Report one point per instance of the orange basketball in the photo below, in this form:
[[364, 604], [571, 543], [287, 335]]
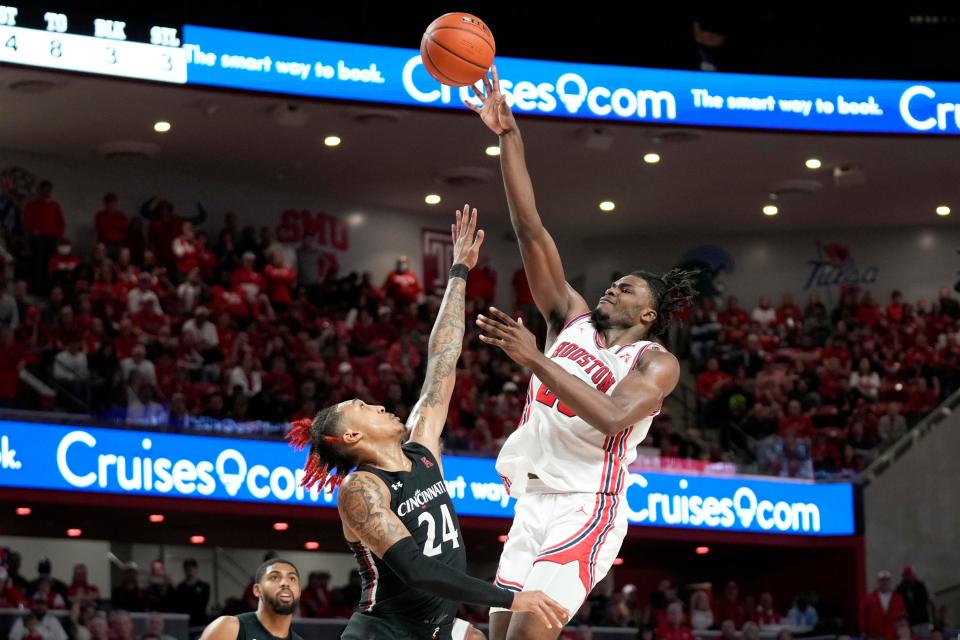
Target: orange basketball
[[457, 49]]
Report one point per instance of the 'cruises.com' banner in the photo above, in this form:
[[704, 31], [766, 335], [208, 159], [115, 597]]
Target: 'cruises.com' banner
[[63, 458], [376, 74]]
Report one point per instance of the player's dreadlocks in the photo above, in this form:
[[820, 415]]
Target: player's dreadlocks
[[327, 465], [672, 292]]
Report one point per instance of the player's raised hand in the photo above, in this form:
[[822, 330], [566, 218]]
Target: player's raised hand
[[543, 606], [495, 112], [466, 238], [510, 335]]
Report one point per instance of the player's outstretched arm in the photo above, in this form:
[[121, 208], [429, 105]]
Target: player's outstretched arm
[[639, 394], [364, 504], [556, 300], [446, 340]]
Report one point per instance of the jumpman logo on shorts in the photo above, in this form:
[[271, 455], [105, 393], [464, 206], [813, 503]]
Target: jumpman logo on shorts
[[581, 510]]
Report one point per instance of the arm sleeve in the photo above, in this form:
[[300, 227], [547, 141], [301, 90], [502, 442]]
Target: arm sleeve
[[416, 570]]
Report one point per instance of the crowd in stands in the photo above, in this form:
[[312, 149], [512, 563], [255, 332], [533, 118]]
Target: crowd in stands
[[889, 612], [167, 324], [808, 391]]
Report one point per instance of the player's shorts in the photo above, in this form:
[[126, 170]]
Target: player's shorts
[[562, 544], [366, 627]]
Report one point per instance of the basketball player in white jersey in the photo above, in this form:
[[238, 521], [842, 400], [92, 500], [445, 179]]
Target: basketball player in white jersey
[[592, 396]]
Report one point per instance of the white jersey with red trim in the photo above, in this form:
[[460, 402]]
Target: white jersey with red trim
[[560, 448]]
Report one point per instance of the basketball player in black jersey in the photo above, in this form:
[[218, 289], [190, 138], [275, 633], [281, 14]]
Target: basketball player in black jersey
[[397, 516], [277, 587]]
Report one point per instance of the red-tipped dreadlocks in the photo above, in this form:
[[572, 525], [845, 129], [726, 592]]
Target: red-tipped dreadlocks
[[323, 467]]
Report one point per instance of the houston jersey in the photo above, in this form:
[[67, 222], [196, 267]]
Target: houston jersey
[[553, 443]]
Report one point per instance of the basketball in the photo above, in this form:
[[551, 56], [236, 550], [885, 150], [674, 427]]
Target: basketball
[[457, 49]]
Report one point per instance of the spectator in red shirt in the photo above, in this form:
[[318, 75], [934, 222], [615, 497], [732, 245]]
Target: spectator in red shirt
[[165, 226], [402, 284], [766, 613], [80, 589], [788, 309], [63, 265], [280, 279], [881, 609], [111, 225], [44, 225], [482, 285], [186, 250], [403, 355], [728, 607], [733, 315], [675, 628], [246, 281], [712, 381], [797, 422], [896, 308], [867, 310], [315, 599], [922, 398]]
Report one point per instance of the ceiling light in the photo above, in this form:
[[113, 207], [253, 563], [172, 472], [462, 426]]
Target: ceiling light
[[156, 517], [814, 163], [162, 126], [280, 526], [770, 210], [24, 511], [652, 158], [197, 539], [332, 141], [493, 150], [943, 210], [607, 205], [313, 545], [702, 551], [74, 533], [432, 198]]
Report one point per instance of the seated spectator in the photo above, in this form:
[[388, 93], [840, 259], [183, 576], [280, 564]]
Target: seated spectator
[[701, 615], [796, 422], [865, 381], [750, 631], [802, 614], [788, 311], [11, 596], [62, 265], [246, 376], [711, 382], [44, 625], [728, 607], [120, 624], [895, 310], [70, 365], [246, 281], [143, 292], [80, 588], [190, 291], [315, 600], [155, 628], [137, 362], [733, 316], [766, 614], [922, 398], [764, 314], [674, 628]]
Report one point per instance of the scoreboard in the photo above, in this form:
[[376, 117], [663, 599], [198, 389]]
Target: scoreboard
[[96, 45]]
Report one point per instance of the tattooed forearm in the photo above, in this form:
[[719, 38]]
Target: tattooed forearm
[[446, 341], [365, 511]]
